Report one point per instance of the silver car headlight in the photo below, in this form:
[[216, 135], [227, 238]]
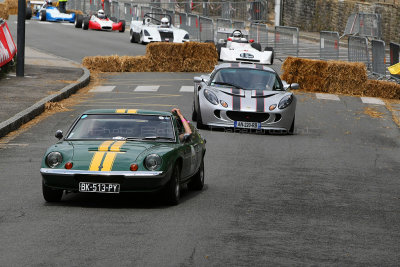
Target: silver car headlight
[[285, 101], [152, 162], [54, 159], [211, 97]]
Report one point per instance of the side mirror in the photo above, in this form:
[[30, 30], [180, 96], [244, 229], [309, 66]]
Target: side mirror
[[197, 79], [294, 86], [59, 134]]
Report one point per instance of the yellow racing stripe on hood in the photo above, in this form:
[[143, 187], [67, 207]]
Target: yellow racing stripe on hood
[[116, 147], [96, 161], [120, 110], [105, 145], [109, 161], [132, 111]]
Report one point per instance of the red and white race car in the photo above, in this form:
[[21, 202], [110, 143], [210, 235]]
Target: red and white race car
[[96, 23]]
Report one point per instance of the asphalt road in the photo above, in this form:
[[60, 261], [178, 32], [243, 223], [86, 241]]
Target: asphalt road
[[328, 195]]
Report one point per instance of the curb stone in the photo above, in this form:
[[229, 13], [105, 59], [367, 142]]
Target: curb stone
[[36, 109]]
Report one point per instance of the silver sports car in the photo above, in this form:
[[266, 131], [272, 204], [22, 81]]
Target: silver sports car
[[244, 95]]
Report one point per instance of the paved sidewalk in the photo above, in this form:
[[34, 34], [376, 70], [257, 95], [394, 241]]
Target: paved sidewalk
[[47, 78]]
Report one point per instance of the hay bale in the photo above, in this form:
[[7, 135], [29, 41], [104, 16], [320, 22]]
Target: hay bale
[[164, 50], [77, 12], [346, 77], [167, 65], [198, 65], [384, 89], [195, 50], [3, 11], [135, 64], [103, 63]]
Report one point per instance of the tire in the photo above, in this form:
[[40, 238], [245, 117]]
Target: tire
[[141, 39], [28, 14], [256, 46], [172, 189], [291, 130], [51, 195], [197, 181], [85, 24], [200, 124], [78, 21], [194, 113], [42, 15], [132, 38], [123, 26]]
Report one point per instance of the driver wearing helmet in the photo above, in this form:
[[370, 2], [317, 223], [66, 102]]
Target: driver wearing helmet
[[164, 23], [237, 35], [101, 14]]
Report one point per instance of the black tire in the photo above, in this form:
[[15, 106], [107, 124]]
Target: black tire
[[85, 24], [78, 21], [197, 181], [51, 195], [194, 113], [172, 189], [256, 46], [200, 124], [140, 37], [132, 38], [28, 14], [42, 15], [123, 26], [291, 130]]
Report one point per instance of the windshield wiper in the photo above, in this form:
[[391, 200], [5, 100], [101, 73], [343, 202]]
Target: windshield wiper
[[133, 138], [231, 84], [157, 137]]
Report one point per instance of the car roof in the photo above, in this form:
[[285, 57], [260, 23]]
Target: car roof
[[128, 111], [244, 65]]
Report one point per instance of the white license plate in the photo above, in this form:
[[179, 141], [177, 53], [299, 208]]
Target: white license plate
[[246, 124], [99, 187]]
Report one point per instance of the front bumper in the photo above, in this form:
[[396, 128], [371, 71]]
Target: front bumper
[[139, 181]]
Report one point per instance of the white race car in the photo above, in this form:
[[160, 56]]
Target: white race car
[[154, 29], [238, 49]]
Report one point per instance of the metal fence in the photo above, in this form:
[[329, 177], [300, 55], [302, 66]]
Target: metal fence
[[358, 50], [364, 24], [223, 26], [378, 58], [206, 29], [286, 41], [329, 45], [115, 10], [259, 33]]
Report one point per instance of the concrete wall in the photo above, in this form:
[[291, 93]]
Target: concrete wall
[[332, 15]]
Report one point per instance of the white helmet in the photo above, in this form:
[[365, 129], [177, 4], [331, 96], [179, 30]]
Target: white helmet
[[101, 14], [164, 22]]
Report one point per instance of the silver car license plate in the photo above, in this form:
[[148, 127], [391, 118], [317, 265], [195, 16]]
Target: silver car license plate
[[248, 125], [99, 187]]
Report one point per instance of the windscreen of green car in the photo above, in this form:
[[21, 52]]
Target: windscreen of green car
[[247, 79], [122, 126]]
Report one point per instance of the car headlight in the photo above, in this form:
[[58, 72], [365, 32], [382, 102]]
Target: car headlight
[[211, 97], [146, 33], [186, 36], [54, 159], [152, 162], [285, 101]]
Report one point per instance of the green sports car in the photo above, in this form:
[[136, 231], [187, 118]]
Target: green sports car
[[124, 150]]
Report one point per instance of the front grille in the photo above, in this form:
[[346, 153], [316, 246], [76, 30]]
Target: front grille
[[167, 35], [247, 116], [106, 28]]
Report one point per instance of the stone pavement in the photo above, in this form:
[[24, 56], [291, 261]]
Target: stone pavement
[[48, 78]]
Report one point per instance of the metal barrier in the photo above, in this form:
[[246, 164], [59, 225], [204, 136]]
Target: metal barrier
[[286, 40], [259, 33], [181, 20], [107, 8], [358, 50], [114, 9], [238, 25], [329, 45], [128, 12], [364, 24], [206, 29], [394, 57], [222, 26], [378, 58], [193, 27], [143, 11]]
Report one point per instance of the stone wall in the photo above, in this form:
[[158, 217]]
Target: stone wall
[[332, 15]]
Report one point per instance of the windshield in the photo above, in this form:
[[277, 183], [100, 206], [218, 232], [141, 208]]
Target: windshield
[[123, 126], [248, 79]]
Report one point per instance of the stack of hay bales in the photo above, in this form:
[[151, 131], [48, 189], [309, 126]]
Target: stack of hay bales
[[160, 57], [3, 11]]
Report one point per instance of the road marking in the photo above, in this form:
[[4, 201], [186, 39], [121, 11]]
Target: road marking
[[147, 88], [327, 96], [186, 88], [102, 89], [372, 100]]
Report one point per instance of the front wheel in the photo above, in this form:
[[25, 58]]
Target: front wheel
[[172, 191], [50, 194], [123, 26], [85, 24], [28, 14], [291, 130], [132, 37], [197, 181], [78, 21], [42, 15]]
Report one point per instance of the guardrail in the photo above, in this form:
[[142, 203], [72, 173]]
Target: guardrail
[[329, 45], [358, 50], [286, 41], [378, 58]]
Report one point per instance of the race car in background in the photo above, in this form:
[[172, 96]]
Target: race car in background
[[237, 48], [45, 11], [99, 22], [244, 95], [156, 27]]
